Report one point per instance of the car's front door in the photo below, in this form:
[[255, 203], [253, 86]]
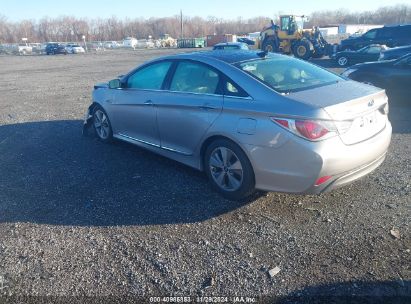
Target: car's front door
[[372, 53], [189, 107], [133, 112]]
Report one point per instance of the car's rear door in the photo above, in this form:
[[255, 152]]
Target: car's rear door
[[132, 110], [189, 107]]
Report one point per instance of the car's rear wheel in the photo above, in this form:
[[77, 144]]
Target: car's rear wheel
[[229, 170], [270, 45], [102, 125]]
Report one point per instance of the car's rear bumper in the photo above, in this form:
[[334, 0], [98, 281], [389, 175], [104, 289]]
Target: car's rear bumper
[[347, 177], [296, 166]]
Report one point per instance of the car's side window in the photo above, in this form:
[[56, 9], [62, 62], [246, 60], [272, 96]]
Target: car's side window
[[404, 32], [387, 33], [231, 89], [374, 50], [150, 77], [370, 34], [194, 78]]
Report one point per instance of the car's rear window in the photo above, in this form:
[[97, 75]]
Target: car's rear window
[[227, 47], [286, 74]]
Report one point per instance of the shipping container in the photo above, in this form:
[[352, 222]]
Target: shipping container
[[214, 39], [191, 43]]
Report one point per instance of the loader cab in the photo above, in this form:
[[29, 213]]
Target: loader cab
[[291, 24]]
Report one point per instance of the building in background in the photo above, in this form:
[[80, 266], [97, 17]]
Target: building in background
[[347, 29]]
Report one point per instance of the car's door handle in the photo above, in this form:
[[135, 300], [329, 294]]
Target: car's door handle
[[206, 107], [148, 102]]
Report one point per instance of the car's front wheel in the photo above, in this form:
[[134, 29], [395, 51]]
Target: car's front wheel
[[229, 170], [102, 125]]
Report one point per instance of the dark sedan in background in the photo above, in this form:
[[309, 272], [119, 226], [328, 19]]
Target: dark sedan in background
[[367, 53], [395, 53], [392, 75], [55, 48], [231, 46], [245, 40]]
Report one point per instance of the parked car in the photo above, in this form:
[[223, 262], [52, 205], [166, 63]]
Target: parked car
[[36, 47], [367, 53], [74, 49], [392, 75], [55, 48], [111, 44], [390, 36], [23, 49], [230, 46], [250, 120], [395, 53], [130, 42], [246, 40]]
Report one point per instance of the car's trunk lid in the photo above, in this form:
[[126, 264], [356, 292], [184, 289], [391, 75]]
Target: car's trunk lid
[[349, 101]]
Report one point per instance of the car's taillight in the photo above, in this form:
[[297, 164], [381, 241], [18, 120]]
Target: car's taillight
[[322, 180], [384, 109], [309, 129]]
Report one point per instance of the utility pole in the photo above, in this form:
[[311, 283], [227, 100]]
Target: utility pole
[[181, 24]]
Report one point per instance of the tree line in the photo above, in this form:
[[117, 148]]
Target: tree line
[[70, 28]]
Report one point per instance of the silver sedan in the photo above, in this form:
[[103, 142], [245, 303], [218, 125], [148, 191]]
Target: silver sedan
[[250, 120]]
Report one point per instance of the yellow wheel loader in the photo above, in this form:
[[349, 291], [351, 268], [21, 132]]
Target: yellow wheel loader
[[290, 38]]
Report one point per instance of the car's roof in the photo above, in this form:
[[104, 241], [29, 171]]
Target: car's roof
[[228, 57], [399, 48], [396, 25]]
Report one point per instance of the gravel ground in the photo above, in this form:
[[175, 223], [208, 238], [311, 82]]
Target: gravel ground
[[81, 218]]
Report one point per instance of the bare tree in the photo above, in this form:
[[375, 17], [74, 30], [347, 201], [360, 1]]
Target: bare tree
[[69, 28]]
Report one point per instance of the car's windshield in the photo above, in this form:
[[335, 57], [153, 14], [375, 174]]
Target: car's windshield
[[285, 74], [361, 50]]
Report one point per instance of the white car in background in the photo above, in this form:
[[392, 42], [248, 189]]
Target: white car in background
[[111, 44], [74, 49], [130, 42]]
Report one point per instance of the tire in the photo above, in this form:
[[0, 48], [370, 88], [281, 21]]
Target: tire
[[270, 45], [231, 175], [302, 50], [102, 124], [342, 61]]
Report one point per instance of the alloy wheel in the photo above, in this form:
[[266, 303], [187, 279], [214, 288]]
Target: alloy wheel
[[226, 169], [101, 124]]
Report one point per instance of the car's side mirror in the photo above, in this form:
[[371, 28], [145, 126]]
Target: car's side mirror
[[114, 84]]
